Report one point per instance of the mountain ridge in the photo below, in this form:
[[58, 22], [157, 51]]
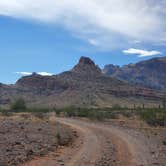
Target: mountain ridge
[[83, 86], [150, 73]]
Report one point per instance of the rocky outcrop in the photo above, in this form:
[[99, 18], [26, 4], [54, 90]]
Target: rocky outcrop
[[150, 73], [111, 69], [87, 67]]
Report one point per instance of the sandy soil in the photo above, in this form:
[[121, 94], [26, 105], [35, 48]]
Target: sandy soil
[[105, 144]]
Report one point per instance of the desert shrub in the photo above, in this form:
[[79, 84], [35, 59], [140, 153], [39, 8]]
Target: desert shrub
[[91, 113], [164, 104], [116, 107], [25, 116], [57, 111], [164, 142], [58, 137], [18, 105], [38, 110], [154, 117], [83, 112], [6, 113], [87, 113], [111, 115], [127, 113], [69, 111], [39, 115], [96, 114]]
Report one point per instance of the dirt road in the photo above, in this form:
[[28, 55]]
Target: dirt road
[[100, 144]]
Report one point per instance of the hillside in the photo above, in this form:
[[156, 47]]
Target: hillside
[[150, 73], [83, 86]]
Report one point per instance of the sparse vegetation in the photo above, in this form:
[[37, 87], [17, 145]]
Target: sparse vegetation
[[116, 106], [39, 115], [154, 117], [38, 110], [91, 113], [18, 105], [6, 113], [164, 103], [58, 136], [164, 142]]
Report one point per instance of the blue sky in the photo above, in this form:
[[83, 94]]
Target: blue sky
[[50, 36]]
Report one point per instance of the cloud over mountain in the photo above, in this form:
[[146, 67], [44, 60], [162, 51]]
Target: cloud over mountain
[[141, 53], [29, 73], [109, 21]]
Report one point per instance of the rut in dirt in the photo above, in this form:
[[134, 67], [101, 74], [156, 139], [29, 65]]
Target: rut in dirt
[[98, 145]]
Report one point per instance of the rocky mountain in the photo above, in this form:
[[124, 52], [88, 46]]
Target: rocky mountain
[[83, 86], [150, 73], [86, 67]]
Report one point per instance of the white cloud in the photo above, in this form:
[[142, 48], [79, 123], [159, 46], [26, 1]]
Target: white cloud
[[23, 73], [29, 73], [45, 73], [141, 53], [93, 42], [107, 20]]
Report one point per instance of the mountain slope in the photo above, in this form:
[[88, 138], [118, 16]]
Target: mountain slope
[[150, 73], [83, 86]]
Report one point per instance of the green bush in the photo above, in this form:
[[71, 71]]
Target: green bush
[[69, 111], [164, 142], [91, 113], [38, 110], [95, 114], [18, 105], [116, 107], [6, 113], [111, 115], [58, 136], [57, 111], [154, 117]]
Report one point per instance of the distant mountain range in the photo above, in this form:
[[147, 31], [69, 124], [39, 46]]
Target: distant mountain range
[[150, 73], [84, 86]]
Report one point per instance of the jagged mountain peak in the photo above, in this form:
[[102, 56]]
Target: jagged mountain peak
[[86, 66], [86, 61]]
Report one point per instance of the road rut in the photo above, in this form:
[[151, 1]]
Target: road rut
[[98, 144]]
